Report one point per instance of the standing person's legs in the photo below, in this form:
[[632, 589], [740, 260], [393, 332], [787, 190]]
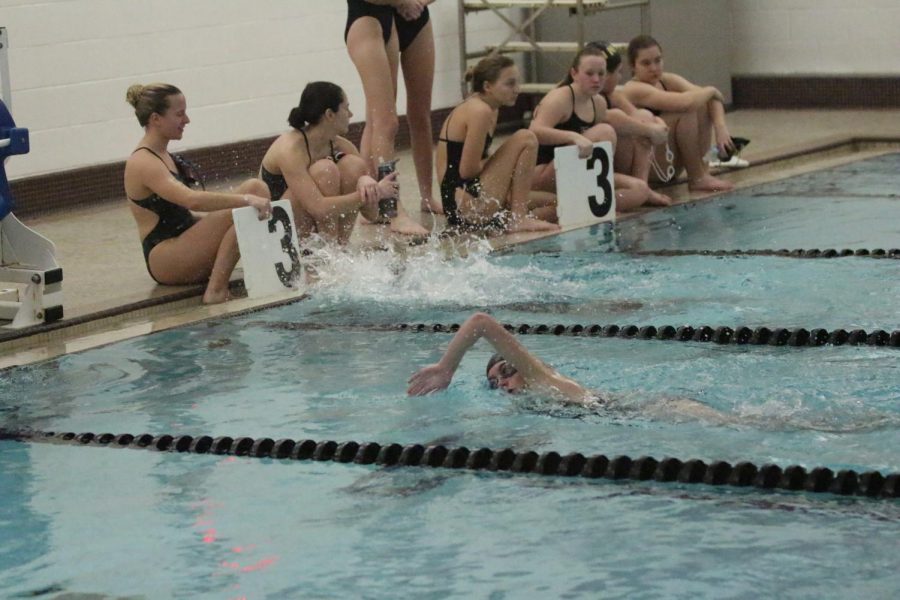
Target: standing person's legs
[[417, 61], [377, 64]]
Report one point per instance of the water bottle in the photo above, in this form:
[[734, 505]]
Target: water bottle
[[387, 207]]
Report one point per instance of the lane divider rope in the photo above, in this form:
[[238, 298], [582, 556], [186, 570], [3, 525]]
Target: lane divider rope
[[795, 253], [847, 482], [778, 336]]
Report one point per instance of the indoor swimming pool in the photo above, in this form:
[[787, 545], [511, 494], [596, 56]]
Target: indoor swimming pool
[[100, 523]]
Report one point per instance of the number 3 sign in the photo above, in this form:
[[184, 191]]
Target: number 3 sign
[[269, 252], [584, 186]]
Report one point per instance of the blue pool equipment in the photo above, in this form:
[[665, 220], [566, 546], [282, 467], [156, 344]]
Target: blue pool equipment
[[27, 259]]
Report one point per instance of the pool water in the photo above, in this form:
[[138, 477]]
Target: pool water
[[90, 522]]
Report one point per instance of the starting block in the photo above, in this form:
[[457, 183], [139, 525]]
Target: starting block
[[585, 190], [27, 259]]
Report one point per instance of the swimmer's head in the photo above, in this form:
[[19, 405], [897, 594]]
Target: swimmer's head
[[150, 99], [501, 374], [641, 42], [489, 71], [317, 99]]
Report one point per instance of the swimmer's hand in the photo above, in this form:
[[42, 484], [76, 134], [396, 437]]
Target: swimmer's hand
[[724, 143], [262, 205], [411, 10], [429, 379]]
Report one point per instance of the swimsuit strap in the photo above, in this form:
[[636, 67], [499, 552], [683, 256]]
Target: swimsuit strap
[[151, 151], [447, 128], [308, 153], [575, 114]]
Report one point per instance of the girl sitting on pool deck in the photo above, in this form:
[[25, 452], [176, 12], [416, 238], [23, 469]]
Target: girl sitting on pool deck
[[693, 113], [180, 248], [320, 171], [481, 190], [575, 113]]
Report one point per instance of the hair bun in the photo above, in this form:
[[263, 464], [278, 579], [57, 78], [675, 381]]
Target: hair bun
[[133, 94]]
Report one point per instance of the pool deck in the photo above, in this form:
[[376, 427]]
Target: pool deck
[[109, 296]]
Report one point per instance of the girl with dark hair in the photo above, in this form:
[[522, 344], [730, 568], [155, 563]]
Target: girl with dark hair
[[180, 248], [377, 32], [481, 190], [693, 114], [575, 113], [320, 171]]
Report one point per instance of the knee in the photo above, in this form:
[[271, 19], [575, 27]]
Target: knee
[[326, 175], [255, 187], [526, 138], [644, 116], [353, 166], [386, 123], [602, 132]]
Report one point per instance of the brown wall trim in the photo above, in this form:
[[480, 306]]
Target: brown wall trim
[[815, 92], [79, 188]]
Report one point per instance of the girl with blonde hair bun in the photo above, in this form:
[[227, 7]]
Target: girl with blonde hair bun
[[181, 248]]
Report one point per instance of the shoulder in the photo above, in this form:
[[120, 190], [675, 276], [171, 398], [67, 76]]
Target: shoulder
[[345, 145]]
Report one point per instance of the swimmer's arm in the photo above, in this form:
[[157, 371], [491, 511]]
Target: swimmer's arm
[[553, 110], [478, 125], [150, 172]]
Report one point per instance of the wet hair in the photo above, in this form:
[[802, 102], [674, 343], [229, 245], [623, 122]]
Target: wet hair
[[149, 99], [641, 42], [487, 70], [317, 97], [491, 362], [590, 49]]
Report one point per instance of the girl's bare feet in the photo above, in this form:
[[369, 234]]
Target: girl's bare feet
[[531, 224], [708, 183], [432, 206], [404, 225], [216, 296], [657, 199]]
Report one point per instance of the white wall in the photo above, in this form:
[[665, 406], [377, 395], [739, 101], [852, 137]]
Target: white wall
[[816, 37], [241, 63]]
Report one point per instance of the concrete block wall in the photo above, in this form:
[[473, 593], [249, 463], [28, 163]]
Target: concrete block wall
[[241, 63], [815, 37]]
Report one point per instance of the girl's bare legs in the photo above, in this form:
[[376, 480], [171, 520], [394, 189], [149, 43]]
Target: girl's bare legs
[[328, 179], [417, 62], [506, 183], [208, 250], [692, 137], [377, 65], [543, 205]]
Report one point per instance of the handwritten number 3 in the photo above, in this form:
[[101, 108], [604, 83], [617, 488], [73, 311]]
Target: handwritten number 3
[[279, 215], [600, 209]]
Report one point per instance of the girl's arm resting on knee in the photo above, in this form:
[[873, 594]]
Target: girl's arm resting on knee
[[629, 126], [552, 111], [304, 190], [643, 94], [156, 177]]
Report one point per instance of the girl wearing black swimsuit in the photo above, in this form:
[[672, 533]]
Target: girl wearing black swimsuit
[[694, 115], [575, 113], [180, 249], [478, 190], [320, 171]]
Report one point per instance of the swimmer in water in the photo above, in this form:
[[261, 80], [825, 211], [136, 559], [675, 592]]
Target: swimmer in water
[[514, 369]]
